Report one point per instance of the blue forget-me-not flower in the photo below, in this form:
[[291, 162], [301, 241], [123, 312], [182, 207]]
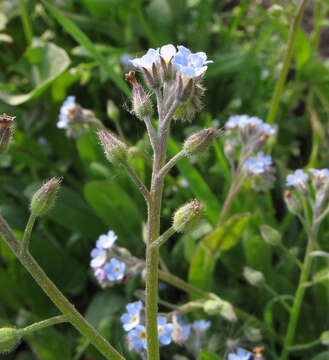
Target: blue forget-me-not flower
[[132, 317], [258, 164], [164, 330], [297, 179], [66, 108], [137, 338], [98, 257], [105, 241], [115, 270], [201, 325], [241, 354]]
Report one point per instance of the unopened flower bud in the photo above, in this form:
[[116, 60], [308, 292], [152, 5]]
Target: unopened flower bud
[[270, 235], [9, 339], [254, 277], [6, 130], [112, 110], [152, 76], [324, 338], [187, 216], [141, 103], [199, 142], [224, 308], [44, 198], [293, 204], [275, 10], [115, 150]]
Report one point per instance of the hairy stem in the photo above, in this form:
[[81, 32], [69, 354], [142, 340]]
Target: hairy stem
[[27, 234], [138, 182], [163, 238], [63, 304], [44, 323], [286, 63], [295, 311]]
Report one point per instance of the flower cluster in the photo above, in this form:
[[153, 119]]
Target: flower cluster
[[111, 264], [170, 328], [241, 354], [244, 122], [299, 181], [258, 164], [76, 120], [178, 72]]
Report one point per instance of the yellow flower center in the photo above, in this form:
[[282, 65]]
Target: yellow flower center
[[143, 335]]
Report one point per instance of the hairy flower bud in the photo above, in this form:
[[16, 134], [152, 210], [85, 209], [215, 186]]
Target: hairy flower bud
[[254, 277], [219, 306], [6, 130], [115, 150], [199, 142], [44, 198], [293, 204], [9, 339], [141, 103], [270, 235], [187, 216]]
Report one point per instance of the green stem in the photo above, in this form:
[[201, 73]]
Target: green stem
[[27, 234], [286, 63], [294, 315], [138, 182], [278, 296], [42, 324], [26, 22], [292, 257], [73, 316], [163, 238], [305, 346]]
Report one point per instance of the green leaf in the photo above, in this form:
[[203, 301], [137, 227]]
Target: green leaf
[[83, 40], [46, 62], [117, 209], [72, 212], [222, 238], [205, 355], [302, 49], [197, 184], [48, 343]]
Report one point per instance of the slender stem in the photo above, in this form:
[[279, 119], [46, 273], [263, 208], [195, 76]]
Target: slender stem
[[138, 182], [234, 189], [305, 346], [286, 63], [152, 134], [171, 163], [292, 257], [73, 316], [294, 315], [44, 323], [26, 22], [27, 234], [278, 296], [163, 238]]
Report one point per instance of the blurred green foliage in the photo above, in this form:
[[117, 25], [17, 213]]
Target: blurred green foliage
[[74, 47]]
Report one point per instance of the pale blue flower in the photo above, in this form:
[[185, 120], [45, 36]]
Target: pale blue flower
[[299, 178], [241, 354], [100, 274], [151, 57], [164, 330], [201, 325], [106, 241], [186, 329], [98, 257], [131, 318], [189, 64], [259, 164], [67, 106], [137, 338], [321, 174], [167, 52], [115, 269], [242, 121]]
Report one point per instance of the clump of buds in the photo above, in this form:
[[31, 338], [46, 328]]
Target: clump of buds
[[198, 143], [142, 105], [187, 216], [9, 339], [6, 130], [115, 150], [44, 198]]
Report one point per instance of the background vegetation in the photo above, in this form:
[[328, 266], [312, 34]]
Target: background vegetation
[[76, 49]]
